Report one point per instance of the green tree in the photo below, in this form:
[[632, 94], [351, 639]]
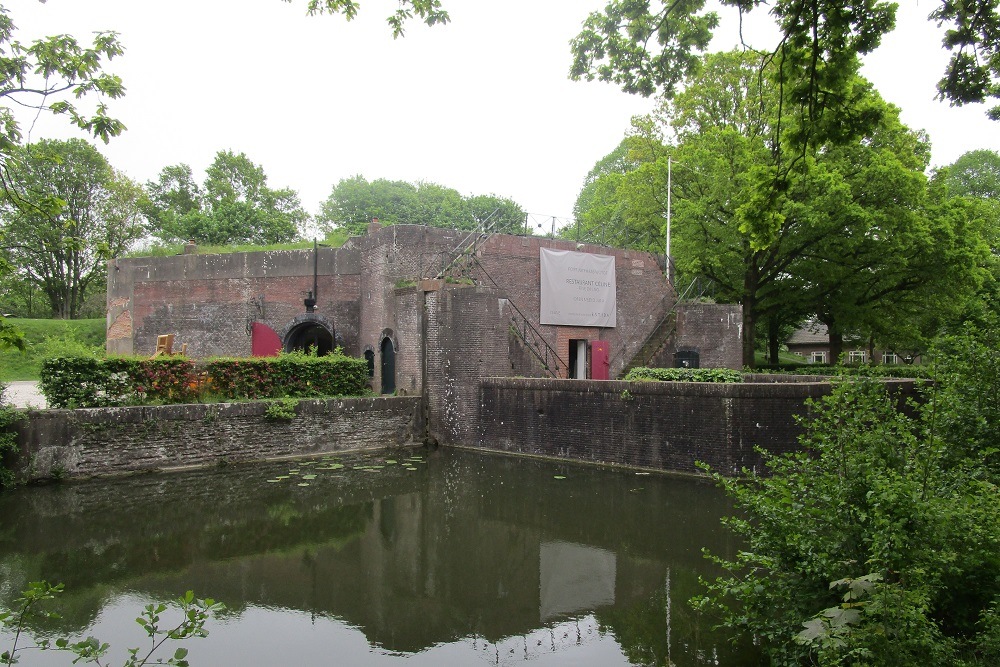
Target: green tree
[[879, 542], [234, 205], [502, 215], [975, 178], [975, 174], [429, 11], [647, 46], [52, 74], [70, 214], [846, 231], [354, 202]]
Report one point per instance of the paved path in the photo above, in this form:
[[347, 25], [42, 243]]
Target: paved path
[[24, 394]]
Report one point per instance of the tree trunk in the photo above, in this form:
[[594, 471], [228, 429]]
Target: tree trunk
[[773, 339], [836, 345]]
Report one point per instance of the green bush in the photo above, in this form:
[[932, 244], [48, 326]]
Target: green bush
[[879, 542], [48, 338], [90, 382], [295, 375], [684, 375], [9, 417], [864, 370]]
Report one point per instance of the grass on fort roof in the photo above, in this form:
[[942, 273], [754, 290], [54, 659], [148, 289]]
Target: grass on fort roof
[[334, 239], [47, 338]]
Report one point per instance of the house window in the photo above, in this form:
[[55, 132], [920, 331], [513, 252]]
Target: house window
[[817, 357], [856, 357], [890, 358]]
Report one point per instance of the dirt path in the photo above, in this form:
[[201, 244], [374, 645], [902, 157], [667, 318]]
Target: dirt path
[[23, 394]]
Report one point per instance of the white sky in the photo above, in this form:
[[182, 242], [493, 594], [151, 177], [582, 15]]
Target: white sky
[[482, 105]]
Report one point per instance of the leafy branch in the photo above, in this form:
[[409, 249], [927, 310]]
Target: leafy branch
[[195, 613]]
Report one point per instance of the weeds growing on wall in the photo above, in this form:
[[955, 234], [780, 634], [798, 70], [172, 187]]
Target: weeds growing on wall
[[281, 409]]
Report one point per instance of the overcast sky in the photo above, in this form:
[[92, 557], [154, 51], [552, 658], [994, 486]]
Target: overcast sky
[[482, 105]]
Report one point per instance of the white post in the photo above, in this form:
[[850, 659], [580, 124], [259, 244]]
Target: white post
[[669, 161]]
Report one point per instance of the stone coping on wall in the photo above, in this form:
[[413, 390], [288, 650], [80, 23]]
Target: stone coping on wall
[[806, 387]]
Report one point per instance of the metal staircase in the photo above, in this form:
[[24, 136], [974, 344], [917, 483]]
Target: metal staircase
[[459, 265], [665, 328]]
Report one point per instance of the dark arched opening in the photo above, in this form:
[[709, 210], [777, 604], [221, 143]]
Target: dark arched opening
[[388, 366], [309, 336], [370, 360]]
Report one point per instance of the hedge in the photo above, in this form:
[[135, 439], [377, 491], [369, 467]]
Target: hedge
[[292, 375], [867, 370], [88, 382], [684, 375]]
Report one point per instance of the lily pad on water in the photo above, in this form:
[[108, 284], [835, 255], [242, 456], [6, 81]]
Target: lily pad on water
[[303, 484], [391, 462], [410, 468], [558, 476], [272, 481], [281, 477], [308, 476]]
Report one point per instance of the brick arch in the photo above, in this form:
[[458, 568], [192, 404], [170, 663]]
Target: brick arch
[[305, 322]]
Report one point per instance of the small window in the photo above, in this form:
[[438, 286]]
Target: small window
[[856, 356], [817, 357], [890, 358]]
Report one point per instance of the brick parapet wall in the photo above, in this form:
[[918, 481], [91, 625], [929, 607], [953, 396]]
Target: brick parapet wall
[[714, 331], [104, 441], [205, 299], [658, 425]]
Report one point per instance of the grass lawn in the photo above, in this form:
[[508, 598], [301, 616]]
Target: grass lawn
[[48, 338], [783, 358]]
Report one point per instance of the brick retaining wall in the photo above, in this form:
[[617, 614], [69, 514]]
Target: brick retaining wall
[[659, 425]]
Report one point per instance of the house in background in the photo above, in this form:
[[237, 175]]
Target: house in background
[[812, 341]]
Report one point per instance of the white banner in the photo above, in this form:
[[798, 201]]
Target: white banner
[[578, 288]]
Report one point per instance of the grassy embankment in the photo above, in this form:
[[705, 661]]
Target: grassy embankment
[[48, 338]]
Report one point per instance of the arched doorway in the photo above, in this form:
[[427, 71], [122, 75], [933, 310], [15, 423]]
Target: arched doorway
[[308, 333], [388, 366]]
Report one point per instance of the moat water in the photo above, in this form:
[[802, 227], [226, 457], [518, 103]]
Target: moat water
[[444, 558]]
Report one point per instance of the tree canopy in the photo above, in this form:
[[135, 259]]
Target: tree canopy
[[647, 46], [354, 202], [429, 11], [850, 232], [233, 206], [54, 74], [71, 214]]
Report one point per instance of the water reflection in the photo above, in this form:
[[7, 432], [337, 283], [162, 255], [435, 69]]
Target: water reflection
[[436, 559]]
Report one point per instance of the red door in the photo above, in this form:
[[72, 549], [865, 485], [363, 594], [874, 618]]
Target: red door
[[264, 342], [600, 360]]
